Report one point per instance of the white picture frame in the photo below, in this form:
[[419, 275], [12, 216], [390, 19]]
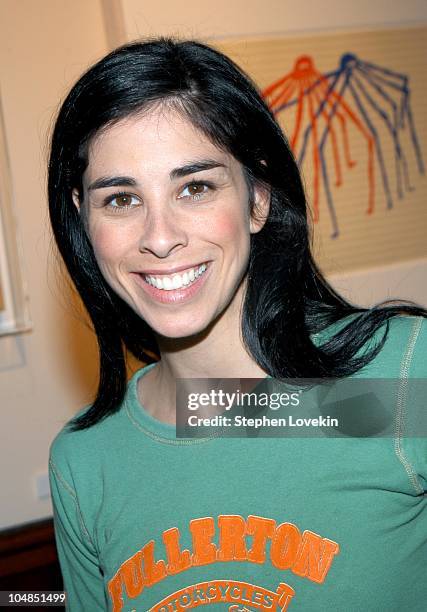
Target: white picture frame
[[14, 306]]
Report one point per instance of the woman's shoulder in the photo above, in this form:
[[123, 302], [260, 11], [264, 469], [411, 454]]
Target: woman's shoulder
[[71, 447], [86, 445], [404, 350]]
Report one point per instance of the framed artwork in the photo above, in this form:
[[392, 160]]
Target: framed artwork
[[14, 313]]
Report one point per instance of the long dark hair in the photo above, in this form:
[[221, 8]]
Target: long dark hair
[[287, 298]]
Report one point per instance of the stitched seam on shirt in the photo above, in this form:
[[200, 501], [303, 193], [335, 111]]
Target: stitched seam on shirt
[[163, 440], [401, 406], [73, 494]]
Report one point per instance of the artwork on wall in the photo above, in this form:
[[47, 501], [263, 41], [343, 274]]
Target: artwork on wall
[[353, 108], [14, 315], [360, 93]]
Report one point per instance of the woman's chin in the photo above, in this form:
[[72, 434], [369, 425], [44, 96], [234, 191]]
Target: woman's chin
[[190, 331]]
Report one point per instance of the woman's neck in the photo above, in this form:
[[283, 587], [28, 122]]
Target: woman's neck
[[218, 352]]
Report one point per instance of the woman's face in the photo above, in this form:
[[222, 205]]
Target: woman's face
[[168, 216]]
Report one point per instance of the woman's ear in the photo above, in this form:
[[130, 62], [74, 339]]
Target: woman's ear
[[76, 198], [260, 208]]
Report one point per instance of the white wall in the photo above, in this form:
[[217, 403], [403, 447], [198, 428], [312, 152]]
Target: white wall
[[46, 374], [405, 280], [260, 17]]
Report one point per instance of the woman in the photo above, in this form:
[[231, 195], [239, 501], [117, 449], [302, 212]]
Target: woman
[[180, 214]]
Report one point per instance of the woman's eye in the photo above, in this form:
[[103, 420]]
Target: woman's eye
[[122, 200], [194, 191]]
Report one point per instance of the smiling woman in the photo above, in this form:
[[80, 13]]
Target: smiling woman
[[180, 214]]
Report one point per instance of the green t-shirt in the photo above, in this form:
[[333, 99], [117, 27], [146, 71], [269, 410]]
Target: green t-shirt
[[145, 521]]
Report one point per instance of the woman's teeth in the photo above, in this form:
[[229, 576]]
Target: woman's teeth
[[169, 283]]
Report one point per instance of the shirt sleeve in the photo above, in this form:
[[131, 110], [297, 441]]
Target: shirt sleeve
[[83, 581]]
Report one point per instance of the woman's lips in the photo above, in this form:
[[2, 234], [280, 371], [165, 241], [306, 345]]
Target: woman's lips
[[169, 281], [174, 296]]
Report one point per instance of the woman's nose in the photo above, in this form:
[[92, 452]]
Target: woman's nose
[[162, 233]]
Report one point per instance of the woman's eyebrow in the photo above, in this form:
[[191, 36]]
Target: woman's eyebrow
[[112, 181], [197, 166], [127, 181]]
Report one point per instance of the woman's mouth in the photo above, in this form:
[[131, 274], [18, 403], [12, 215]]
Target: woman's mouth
[[176, 287], [167, 282]]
